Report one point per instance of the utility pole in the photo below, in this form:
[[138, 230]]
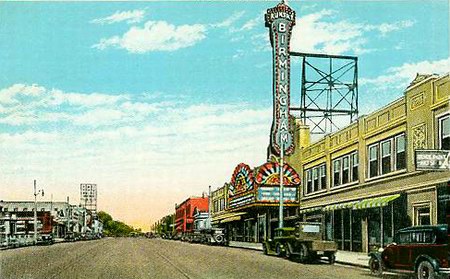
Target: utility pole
[[68, 216], [208, 225], [35, 209]]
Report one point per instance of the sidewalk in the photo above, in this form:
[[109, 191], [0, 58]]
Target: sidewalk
[[352, 258], [342, 257]]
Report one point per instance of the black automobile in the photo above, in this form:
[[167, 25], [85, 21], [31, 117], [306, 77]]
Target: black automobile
[[46, 239]]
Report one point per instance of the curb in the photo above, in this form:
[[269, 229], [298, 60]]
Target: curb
[[353, 264], [337, 261]]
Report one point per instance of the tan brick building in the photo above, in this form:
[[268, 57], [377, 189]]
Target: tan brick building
[[361, 181]]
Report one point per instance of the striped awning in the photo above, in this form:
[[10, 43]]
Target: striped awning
[[311, 209], [340, 206], [375, 202]]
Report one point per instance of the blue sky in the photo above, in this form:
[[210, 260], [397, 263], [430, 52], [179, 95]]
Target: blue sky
[[154, 101]]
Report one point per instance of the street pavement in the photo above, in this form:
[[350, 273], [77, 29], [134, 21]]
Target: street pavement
[[157, 258]]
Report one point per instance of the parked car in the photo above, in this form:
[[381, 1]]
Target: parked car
[[45, 239], [304, 241], [420, 250]]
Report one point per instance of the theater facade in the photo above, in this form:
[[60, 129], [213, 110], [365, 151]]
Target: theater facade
[[252, 201]]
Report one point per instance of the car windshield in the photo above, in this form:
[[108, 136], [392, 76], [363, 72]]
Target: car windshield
[[310, 228]]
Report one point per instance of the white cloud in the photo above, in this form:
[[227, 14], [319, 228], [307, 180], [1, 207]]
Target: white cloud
[[9, 95], [398, 78], [128, 16], [156, 36], [315, 32], [386, 28], [230, 20]]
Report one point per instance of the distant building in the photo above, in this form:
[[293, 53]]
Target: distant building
[[59, 211], [64, 218], [184, 213]]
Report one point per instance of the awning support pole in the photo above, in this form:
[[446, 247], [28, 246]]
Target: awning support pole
[[382, 227]]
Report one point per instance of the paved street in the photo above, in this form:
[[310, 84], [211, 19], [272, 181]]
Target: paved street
[[156, 258]]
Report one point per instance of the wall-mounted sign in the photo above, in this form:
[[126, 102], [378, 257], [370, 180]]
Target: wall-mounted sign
[[280, 21], [437, 160], [269, 174]]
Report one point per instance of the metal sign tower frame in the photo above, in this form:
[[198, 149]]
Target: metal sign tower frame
[[327, 94]]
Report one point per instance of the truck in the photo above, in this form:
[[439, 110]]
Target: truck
[[303, 242]]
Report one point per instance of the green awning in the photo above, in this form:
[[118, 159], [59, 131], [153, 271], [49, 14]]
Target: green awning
[[375, 202], [311, 209], [340, 206]]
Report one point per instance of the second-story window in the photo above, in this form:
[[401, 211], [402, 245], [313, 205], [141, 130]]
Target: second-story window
[[400, 155], [323, 177], [316, 179], [345, 169], [355, 164], [336, 172], [444, 133], [386, 157], [373, 160]]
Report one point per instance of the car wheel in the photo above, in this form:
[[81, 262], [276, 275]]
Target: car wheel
[[375, 266], [303, 253], [288, 251], [265, 249], [279, 250], [426, 271], [218, 238], [332, 258]]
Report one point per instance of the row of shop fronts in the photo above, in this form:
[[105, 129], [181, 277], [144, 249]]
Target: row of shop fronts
[[361, 182]]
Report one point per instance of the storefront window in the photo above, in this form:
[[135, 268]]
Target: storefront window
[[444, 130], [374, 228], [337, 225], [328, 226], [387, 225]]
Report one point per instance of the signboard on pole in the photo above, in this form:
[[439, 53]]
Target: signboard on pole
[[432, 160], [280, 20]]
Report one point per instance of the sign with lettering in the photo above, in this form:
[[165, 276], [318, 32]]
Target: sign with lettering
[[280, 21], [437, 160]]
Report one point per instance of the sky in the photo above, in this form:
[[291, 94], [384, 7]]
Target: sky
[[155, 101]]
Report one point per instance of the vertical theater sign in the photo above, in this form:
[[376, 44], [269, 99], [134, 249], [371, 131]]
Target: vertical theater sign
[[280, 21]]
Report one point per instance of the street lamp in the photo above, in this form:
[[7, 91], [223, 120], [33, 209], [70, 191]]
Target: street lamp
[[35, 210]]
